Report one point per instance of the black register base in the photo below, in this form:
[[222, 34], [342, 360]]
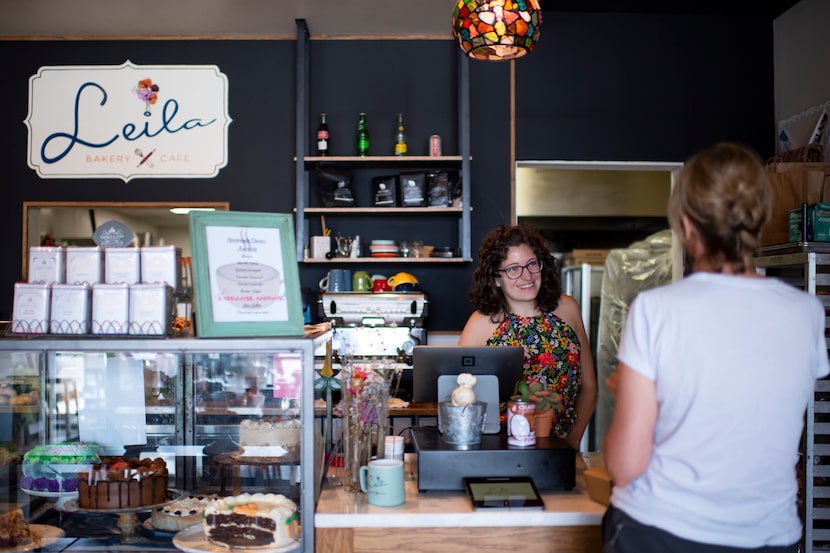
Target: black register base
[[441, 466]]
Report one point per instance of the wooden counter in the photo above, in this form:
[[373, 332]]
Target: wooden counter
[[445, 521], [413, 410]]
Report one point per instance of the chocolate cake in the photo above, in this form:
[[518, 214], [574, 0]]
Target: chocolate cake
[[252, 521], [123, 484]]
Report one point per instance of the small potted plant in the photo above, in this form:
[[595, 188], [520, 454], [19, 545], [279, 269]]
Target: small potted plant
[[545, 401]]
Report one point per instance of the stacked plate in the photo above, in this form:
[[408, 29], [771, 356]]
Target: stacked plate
[[383, 248]]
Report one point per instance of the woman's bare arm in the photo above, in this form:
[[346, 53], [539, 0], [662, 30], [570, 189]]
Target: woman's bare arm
[[629, 441]]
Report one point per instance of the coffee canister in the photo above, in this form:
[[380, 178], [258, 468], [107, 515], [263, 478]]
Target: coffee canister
[[521, 427]]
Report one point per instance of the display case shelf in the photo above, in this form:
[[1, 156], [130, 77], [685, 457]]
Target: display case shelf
[[195, 393]]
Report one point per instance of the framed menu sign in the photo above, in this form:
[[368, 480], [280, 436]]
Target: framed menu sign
[[245, 274]]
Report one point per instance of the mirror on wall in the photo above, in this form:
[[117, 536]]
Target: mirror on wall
[[72, 223]]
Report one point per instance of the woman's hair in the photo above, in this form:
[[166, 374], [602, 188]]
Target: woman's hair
[[725, 193], [489, 298]]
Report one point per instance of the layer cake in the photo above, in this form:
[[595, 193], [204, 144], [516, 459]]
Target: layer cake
[[123, 484], [252, 521]]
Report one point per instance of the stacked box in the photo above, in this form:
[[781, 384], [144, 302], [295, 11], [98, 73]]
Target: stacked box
[[161, 264], [818, 227], [71, 309], [110, 308], [821, 222], [122, 266], [31, 308], [151, 309], [47, 265], [84, 265]]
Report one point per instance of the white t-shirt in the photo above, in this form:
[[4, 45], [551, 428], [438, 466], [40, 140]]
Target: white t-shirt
[[735, 362]]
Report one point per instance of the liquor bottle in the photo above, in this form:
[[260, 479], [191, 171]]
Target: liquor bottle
[[323, 137], [400, 138], [362, 136]]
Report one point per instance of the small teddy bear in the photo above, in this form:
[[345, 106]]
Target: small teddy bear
[[464, 395]]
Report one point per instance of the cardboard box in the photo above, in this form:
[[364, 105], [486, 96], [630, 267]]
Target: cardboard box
[[599, 484], [591, 257], [795, 226], [821, 222], [818, 225], [792, 185]]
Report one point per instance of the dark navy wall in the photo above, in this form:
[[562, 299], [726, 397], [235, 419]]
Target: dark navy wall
[[598, 87]]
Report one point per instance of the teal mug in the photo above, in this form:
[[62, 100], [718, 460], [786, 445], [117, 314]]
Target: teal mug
[[382, 480]]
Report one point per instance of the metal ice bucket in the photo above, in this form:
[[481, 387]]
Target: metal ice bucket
[[462, 425]]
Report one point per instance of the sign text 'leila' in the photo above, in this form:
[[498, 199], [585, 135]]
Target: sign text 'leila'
[[128, 121]]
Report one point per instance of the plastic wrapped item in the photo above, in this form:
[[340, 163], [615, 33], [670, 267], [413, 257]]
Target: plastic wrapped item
[[334, 184], [643, 265]]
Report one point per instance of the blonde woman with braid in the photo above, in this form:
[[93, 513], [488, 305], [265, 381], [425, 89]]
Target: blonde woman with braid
[[715, 373]]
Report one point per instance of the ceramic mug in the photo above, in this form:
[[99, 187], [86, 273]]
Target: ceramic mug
[[337, 280], [361, 282], [380, 285], [402, 278], [383, 481]]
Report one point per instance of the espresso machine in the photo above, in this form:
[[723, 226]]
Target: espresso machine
[[376, 330]]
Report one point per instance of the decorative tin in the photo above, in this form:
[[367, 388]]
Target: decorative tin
[[161, 264], [31, 308], [122, 266], [46, 265], [71, 309], [151, 309], [84, 265], [110, 308], [521, 425]]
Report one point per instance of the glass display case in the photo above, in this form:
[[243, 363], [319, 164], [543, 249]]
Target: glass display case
[[180, 399]]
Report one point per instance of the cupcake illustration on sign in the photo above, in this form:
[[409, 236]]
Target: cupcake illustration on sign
[[147, 92], [249, 285]]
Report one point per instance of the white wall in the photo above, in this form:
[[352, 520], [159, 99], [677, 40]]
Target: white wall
[[802, 67]]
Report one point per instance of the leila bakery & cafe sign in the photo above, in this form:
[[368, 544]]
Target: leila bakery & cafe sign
[[128, 121]]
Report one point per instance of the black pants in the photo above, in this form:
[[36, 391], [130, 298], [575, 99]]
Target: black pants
[[623, 534]]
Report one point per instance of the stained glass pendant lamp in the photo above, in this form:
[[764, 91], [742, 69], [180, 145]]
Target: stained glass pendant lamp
[[497, 29]]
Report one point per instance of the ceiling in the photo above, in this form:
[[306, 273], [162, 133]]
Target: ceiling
[[325, 18]]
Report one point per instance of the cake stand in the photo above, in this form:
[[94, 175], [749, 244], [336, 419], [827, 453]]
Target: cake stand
[[127, 517], [60, 498], [235, 460]]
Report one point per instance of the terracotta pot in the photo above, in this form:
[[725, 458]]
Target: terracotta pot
[[544, 422]]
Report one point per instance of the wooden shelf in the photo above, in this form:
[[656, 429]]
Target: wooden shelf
[[367, 166], [375, 160], [386, 210], [387, 260]]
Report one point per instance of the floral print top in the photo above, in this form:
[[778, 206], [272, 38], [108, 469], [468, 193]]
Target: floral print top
[[552, 354]]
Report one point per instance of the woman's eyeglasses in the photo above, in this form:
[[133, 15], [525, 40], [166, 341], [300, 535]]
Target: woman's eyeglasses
[[516, 271]]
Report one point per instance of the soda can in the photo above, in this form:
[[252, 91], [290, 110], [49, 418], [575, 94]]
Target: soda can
[[434, 145], [521, 427]]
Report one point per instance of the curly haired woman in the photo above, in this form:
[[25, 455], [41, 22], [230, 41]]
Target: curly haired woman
[[518, 298]]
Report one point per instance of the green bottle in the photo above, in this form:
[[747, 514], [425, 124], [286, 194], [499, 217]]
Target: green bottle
[[362, 136]]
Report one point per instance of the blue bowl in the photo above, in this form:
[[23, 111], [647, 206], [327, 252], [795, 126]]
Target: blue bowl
[[407, 287]]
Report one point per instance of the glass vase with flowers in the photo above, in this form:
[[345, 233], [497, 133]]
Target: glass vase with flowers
[[365, 415]]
